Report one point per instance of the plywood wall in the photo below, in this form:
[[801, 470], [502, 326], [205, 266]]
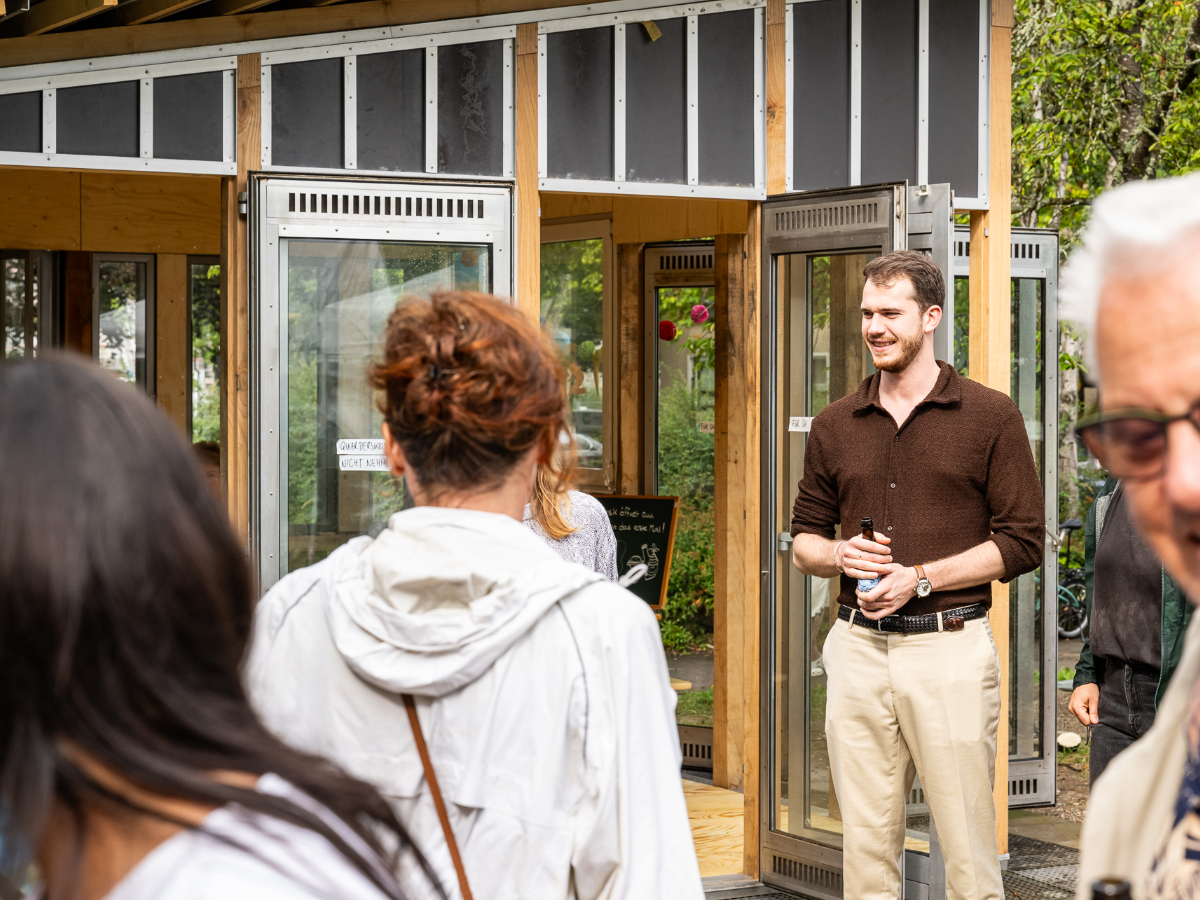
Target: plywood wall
[[109, 212], [640, 220]]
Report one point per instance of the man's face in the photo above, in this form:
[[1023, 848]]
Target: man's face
[[892, 324], [1148, 343]]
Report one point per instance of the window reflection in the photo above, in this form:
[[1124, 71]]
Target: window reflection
[[121, 320]]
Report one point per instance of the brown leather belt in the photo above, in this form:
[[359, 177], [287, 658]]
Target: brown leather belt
[[950, 620]]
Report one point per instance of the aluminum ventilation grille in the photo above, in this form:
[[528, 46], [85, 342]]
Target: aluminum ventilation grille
[[1026, 251], [686, 261], [344, 206], [1023, 787], [828, 217], [962, 249], [808, 876]]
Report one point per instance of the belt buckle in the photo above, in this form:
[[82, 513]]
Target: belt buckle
[[955, 622]]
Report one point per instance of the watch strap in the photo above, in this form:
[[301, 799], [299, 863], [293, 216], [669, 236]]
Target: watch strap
[[922, 577]]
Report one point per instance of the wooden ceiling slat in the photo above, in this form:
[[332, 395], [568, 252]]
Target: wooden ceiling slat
[[217, 30], [139, 12], [49, 15]]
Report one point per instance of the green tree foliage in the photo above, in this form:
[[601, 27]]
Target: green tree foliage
[[1104, 91], [206, 347]]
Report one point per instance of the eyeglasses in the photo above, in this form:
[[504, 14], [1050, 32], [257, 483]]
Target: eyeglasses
[[1132, 443]]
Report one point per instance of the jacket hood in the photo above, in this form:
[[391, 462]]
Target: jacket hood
[[432, 602]]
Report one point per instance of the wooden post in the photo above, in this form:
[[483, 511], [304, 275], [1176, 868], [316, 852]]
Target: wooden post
[[77, 288], [776, 96], [235, 298], [750, 363], [172, 343], [527, 288], [630, 306], [990, 324]]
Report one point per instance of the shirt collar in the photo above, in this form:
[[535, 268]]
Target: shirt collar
[[946, 390]]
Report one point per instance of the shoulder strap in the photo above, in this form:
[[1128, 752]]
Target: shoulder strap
[[440, 804]]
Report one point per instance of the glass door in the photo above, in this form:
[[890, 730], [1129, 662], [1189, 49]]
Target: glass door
[[123, 316], [815, 246], [336, 259]]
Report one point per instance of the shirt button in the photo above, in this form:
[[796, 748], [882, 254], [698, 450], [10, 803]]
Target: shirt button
[[896, 439], [893, 484], [889, 528]]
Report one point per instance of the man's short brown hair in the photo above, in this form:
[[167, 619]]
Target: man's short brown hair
[[929, 287]]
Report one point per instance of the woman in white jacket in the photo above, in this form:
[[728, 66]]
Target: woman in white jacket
[[541, 688]]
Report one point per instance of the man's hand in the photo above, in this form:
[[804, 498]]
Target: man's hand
[[1085, 703], [860, 558], [895, 589]]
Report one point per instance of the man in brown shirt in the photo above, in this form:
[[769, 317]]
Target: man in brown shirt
[[943, 467]]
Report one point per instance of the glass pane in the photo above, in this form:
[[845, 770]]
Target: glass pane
[[962, 318], [822, 358], [685, 440], [122, 344], [13, 272], [204, 292], [572, 312], [340, 294], [1025, 604]]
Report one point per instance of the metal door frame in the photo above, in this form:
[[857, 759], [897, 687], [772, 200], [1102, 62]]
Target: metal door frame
[[1034, 254], [920, 218], [274, 217]]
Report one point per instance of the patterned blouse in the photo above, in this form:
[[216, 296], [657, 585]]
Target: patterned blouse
[[592, 543]]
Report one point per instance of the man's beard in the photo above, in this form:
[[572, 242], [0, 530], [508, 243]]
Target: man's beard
[[909, 348]]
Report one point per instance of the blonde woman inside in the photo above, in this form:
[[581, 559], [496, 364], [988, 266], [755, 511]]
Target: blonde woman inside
[[574, 524]]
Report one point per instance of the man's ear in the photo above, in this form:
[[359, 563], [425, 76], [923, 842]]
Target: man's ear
[[933, 316]]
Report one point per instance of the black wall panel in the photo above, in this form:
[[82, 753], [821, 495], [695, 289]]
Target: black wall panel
[[889, 91], [98, 119], [188, 113], [21, 122], [820, 114], [307, 101], [954, 95], [579, 104], [725, 49], [471, 108], [391, 111], [656, 102]]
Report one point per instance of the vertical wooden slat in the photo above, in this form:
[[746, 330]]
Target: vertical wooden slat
[[172, 346], [776, 52], [527, 290], [751, 581], [990, 338], [77, 289], [630, 308], [235, 298]]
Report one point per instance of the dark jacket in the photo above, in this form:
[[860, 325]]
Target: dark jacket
[[1176, 610]]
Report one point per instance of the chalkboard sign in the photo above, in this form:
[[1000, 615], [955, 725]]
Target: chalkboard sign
[[645, 530]]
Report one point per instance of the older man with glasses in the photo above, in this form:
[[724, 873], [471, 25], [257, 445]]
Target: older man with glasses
[[1135, 283]]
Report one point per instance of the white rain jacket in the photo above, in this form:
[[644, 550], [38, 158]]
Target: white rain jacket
[[542, 691]]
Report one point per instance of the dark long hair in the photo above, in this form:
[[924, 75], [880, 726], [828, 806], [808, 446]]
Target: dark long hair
[[126, 604]]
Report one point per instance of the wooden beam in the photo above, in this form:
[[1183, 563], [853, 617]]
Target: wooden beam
[[144, 212], [49, 15], [201, 32], [776, 96], [630, 307], [41, 209], [235, 299], [139, 12], [232, 7], [527, 288], [172, 344], [749, 362], [990, 337]]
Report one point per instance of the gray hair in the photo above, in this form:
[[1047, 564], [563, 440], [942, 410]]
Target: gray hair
[[1133, 227]]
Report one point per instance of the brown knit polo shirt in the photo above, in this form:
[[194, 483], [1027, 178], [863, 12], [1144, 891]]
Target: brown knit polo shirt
[[958, 472]]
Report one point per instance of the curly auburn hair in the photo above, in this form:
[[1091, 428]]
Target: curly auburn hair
[[469, 387]]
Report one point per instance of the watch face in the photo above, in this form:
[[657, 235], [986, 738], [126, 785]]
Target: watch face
[[924, 588]]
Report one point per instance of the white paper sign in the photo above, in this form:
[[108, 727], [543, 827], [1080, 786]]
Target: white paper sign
[[707, 427], [363, 463], [360, 446], [800, 423]]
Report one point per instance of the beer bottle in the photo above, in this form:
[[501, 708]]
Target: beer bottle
[[868, 531], [1110, 889]]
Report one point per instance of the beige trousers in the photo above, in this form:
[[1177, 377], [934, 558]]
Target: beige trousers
[[927, 704]]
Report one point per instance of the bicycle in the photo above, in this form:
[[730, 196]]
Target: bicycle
[[1072, 605]]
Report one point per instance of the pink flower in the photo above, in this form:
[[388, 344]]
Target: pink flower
[[666, 330], [699, 313]]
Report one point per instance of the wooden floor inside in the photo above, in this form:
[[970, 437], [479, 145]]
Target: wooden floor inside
[[716, 817]]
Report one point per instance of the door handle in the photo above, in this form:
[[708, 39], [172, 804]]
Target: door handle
[[785, 542]]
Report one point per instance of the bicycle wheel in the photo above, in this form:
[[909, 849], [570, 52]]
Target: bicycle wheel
[[1072, 612]]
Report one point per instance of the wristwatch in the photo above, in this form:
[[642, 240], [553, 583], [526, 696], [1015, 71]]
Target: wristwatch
[[924, 588]]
